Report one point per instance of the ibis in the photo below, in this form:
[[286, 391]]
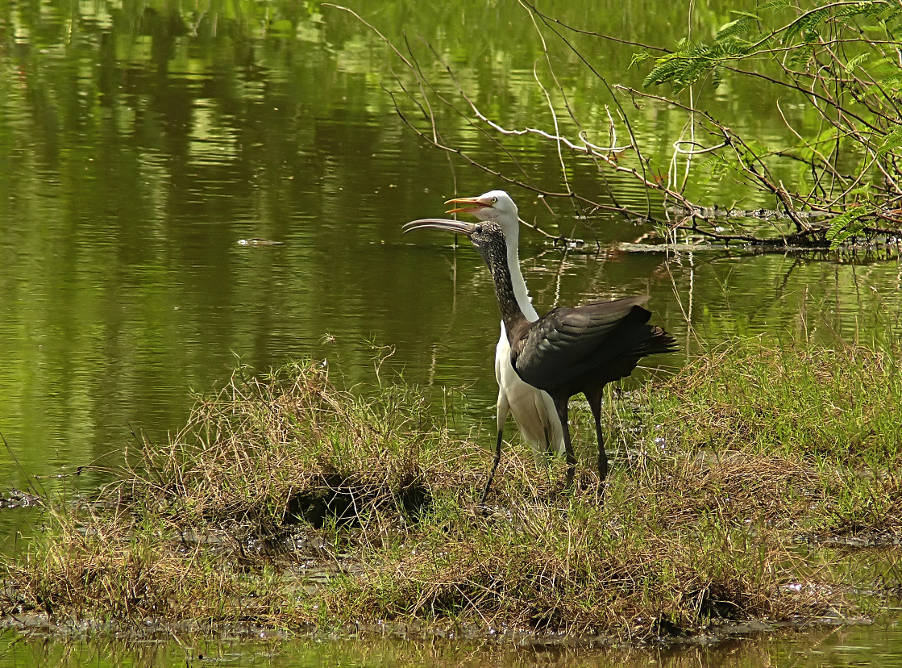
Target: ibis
[[569, 350]]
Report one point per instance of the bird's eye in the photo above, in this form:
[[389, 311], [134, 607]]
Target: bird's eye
[[494, 199]]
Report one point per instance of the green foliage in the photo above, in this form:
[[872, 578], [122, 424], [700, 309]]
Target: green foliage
[[740, 28], [847, 225], [891, 142], [639, 57], [776, 4], [690, 62], [851, 85], [741, 36], [855, 61], [807, 25], [687, 65]]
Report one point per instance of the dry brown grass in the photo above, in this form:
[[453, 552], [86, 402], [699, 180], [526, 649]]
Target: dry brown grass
[[290, 504]]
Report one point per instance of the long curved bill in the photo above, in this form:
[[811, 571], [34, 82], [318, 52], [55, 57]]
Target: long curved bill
[[456, 226], [470, 204]]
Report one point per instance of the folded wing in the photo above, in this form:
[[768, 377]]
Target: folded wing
[[570, 345]]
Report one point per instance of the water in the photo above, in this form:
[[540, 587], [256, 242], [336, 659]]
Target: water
[[140, 143], [876, 645]]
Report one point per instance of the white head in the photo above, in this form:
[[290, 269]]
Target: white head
[[495, 205]]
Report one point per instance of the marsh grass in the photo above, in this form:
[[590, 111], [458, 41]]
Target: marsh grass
[[288, 503]]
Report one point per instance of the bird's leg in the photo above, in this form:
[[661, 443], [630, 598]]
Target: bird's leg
[[594, 399], [502, 407], [488, 482], [561, 406]]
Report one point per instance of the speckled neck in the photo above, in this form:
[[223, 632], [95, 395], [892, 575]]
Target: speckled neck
[[521, 293], [494, 251]]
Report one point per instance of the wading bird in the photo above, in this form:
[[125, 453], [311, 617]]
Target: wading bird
[[568, 350], [533, 409]]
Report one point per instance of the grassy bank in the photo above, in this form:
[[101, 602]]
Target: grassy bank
[[290, 504]]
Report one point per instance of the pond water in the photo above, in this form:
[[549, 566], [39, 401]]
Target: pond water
[[876, 645], [141, 142]]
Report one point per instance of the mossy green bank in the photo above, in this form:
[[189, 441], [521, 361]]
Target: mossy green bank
[[291, 504]]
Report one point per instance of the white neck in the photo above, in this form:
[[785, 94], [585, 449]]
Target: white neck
[[521, 293]]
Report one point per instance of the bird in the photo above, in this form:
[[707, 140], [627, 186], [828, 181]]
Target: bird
[[533, 409], [569, 350]]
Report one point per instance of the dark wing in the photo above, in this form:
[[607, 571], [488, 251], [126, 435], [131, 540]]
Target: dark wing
[[602, 341]]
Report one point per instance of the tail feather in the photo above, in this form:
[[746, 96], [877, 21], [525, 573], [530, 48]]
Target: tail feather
[[658, 341]]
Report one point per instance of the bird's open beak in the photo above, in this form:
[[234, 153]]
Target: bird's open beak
[[471, 204], [456, 226]]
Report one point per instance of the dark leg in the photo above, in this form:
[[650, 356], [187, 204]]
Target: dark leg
[[548, 451], [488, 483], [594, 399], [561, 406]]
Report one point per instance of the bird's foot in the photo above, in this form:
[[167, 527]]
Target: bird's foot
[[600, 492], [483, 509], [587, 481], [590, 483]]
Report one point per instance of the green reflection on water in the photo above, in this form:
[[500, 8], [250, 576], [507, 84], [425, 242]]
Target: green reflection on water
[[879, 644], [140, 141]]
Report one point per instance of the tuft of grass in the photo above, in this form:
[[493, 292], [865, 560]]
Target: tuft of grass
[[288, 503], [789, 399], [804, 436]]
